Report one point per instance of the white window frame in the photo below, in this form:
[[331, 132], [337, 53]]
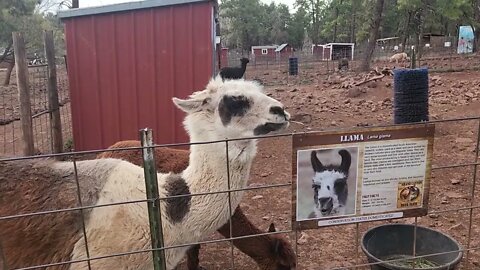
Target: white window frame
[[264, 51]]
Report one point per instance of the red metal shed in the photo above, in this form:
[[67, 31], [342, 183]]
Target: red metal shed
[[263, 52], [224, 58], [126, 62]]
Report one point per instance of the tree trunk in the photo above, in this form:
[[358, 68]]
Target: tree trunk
[[421, 29], [353, 37], [446, 25], [8, 75], [365, 65], [337, 11], [7, 52], [315, 21], [405, 32], [476, 41], [476, 14], [335, 29]]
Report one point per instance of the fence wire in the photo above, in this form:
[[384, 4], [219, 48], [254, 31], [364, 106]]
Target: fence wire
[[274, 71], [356, 261], [10, 125]]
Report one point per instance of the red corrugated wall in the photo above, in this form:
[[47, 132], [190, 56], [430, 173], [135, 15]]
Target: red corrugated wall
[[125, 67]]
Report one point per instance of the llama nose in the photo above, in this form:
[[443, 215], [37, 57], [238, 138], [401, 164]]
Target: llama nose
[[324, 201], [278, 111], [326, 205]]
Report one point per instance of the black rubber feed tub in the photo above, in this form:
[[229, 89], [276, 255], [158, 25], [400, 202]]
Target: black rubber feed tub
[[394, 241]]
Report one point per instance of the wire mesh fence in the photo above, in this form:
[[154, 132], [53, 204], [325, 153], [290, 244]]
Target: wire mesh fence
[[10, 142], [334, 247], [275, 69]]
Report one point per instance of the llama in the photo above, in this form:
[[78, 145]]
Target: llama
[[235, 72], [230, 109], [330, 185], [271, 252]]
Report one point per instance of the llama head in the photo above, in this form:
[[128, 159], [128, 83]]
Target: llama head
[[330, 184], [244, 60], [231, 109]]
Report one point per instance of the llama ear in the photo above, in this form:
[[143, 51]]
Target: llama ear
[[191, 105], [346, 160], [218, 78], [271, 228], [316, 164]]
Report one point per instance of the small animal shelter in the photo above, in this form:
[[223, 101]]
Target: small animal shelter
[[333, 51], [126, 62], [321, 51], [340, 50]]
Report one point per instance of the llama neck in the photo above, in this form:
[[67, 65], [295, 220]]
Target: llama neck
[[244, 66], [207, 170], [208, 165]]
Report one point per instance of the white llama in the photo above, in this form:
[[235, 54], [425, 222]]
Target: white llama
[[230, 109]]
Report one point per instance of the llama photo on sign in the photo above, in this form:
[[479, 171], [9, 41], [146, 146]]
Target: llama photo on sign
[[326, 182]]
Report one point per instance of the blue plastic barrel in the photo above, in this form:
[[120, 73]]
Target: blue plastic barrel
[[293, 66]]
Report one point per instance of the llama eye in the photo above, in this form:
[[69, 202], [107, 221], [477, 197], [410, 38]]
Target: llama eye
[[328, 187]]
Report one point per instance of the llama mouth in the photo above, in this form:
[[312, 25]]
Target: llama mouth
[[326, 208], [326, 211], [269, 127]]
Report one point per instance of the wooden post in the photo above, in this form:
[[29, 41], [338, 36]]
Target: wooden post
[[23, 93], [54, 108]]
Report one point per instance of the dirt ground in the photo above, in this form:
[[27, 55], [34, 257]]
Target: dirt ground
[[319, 101]]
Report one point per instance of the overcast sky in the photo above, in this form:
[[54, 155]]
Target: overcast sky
[[91, 3]]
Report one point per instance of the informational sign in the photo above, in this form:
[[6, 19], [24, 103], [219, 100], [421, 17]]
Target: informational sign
[[465, 39], [364, 175]]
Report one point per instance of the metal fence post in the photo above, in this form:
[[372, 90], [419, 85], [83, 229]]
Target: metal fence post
[[155, 218], [53, 106], [23, 94], [472, 193]]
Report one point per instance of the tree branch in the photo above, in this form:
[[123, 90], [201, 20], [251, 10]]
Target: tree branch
[[7, 52]]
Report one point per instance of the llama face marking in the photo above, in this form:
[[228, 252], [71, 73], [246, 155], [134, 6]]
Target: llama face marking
[[330, 185], [248, 111], [231, 106], [236, 108]]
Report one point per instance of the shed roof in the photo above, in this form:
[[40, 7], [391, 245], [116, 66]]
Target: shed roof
[[264, 47], [281, 47], [386, 39], [76, 12], [340, 44], [433, 35]]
